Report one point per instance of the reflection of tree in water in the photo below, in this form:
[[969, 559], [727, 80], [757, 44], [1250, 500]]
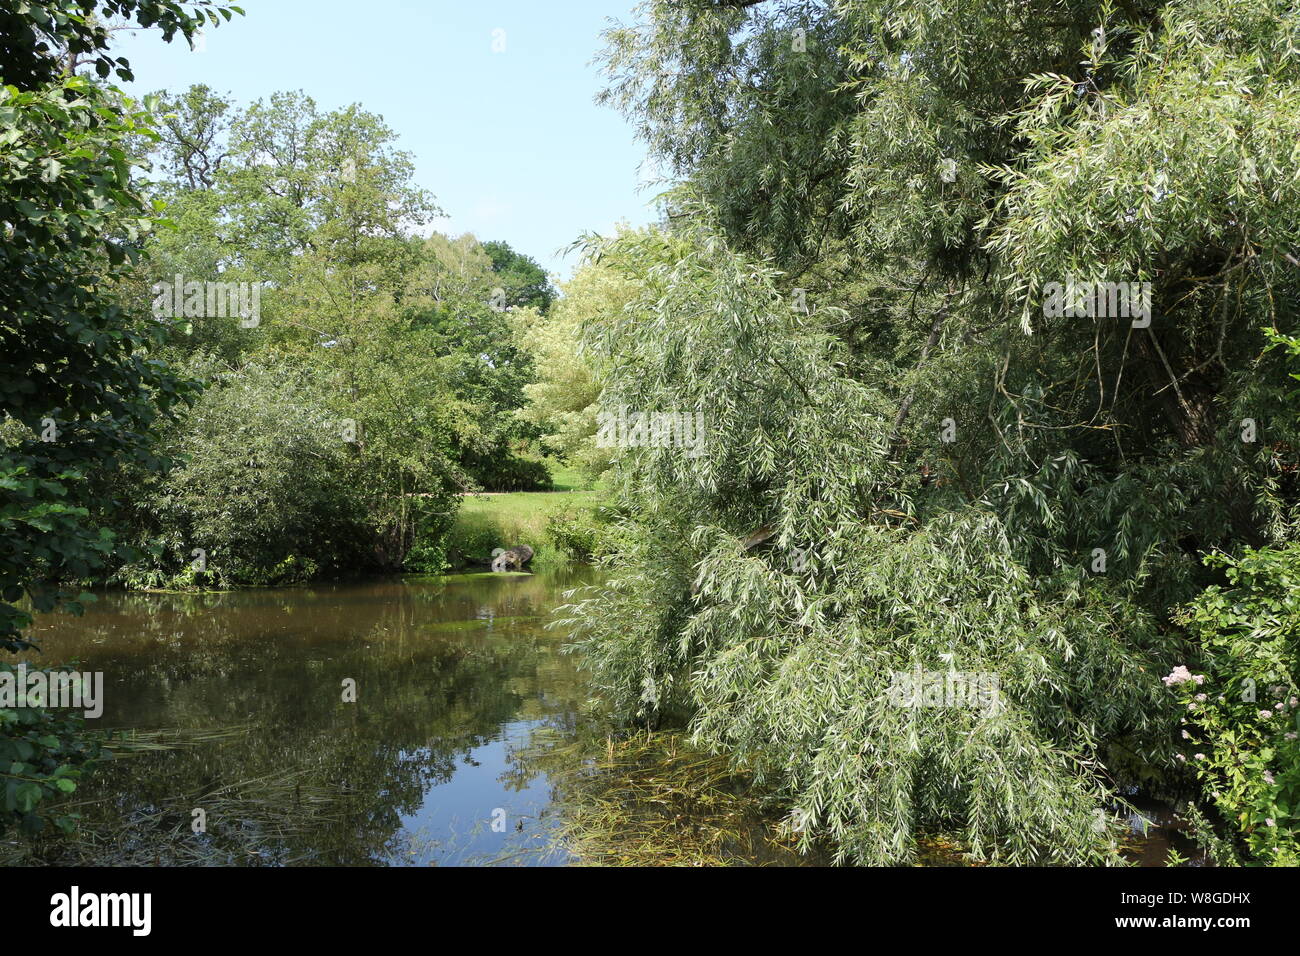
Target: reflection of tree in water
[[307, 777]]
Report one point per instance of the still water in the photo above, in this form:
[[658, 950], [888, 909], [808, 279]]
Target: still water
[[235, 713], [453, 676]]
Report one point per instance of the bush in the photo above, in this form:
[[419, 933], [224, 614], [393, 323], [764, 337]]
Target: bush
[[268, 494], [575, 532], [508, 472], [503, 521], [472, 539], [429, 553], [1243, 723]]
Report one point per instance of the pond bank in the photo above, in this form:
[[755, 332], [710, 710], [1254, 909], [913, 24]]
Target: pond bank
[[469, 742], [557, 525]]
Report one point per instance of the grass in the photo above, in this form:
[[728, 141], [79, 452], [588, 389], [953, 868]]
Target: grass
[[504, 520], [564, 477]]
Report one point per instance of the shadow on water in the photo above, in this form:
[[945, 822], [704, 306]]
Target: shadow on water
[[1154, 830]]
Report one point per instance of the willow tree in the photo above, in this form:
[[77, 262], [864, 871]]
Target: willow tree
[[911, 463]]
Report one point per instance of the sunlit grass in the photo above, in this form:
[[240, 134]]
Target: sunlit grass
[[486, 522]]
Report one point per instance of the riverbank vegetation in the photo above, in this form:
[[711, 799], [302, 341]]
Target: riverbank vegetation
[[379, 381], [925, 449], [289, 377], [559, 526], [912, 465]]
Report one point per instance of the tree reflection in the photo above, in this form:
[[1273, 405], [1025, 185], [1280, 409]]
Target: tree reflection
[[298, 775]]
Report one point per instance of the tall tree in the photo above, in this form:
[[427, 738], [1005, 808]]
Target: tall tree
[[913, 462], [524, 282], [79, 387]]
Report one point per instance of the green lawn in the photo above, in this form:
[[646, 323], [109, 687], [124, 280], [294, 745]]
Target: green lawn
[[486, 522], [568, 478]]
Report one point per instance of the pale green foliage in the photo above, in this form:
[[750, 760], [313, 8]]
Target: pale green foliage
[[452, 269], [562, 399], [966, 476], [784, 654]]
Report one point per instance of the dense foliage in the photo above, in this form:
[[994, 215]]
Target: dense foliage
[[564, 399], [1071, 520], [912, 464], [1242, 724], [80, 389], [379, 379], [324, 423]]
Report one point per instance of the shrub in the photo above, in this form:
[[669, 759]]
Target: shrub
[[508, 472], [575, 532], [429, 553], [268, 492], [1243, 723]]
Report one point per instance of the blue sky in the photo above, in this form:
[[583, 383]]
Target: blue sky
[[510, 143]]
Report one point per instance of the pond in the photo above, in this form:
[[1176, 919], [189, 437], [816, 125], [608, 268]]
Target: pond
[[240, 725], [452, 677]]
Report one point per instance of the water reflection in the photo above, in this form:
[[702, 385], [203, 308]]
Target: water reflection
[[452, 676], [436, 763], [1155, 829]]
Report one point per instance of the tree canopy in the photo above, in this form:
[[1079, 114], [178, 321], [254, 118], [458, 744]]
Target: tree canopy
[[912, 465], [80, 388]]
